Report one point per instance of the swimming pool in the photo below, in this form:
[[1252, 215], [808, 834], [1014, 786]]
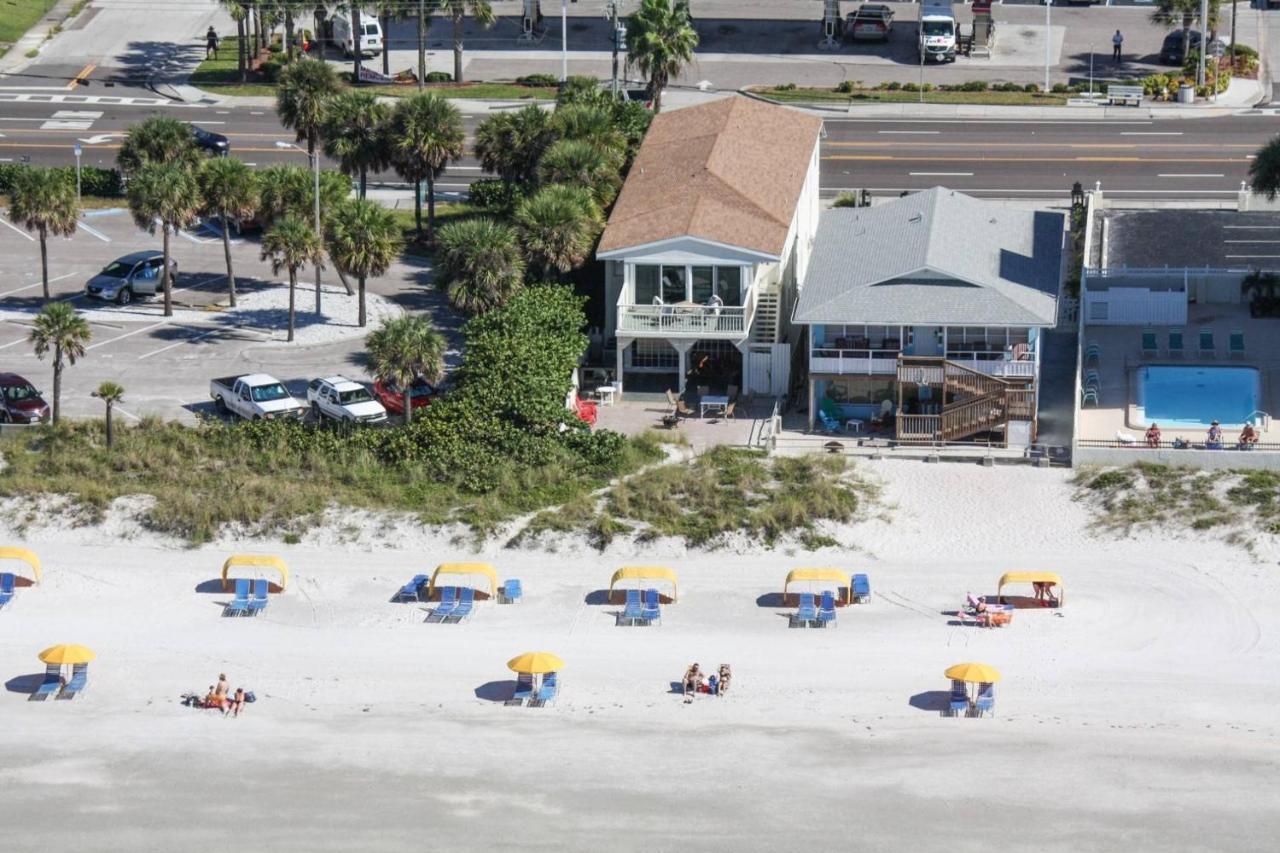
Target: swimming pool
[[1185, 396]]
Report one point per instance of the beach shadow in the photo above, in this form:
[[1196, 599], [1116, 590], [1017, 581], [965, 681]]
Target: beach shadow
[[771, 599], [937, 701], [496, 691], [25, 684], [597, 598], [209, 587]]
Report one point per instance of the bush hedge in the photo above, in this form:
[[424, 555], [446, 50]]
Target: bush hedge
[[538, 80], [495, 193], [94, 181], [438, 77]]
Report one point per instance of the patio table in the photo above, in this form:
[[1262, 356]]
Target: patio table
[[713, 402]]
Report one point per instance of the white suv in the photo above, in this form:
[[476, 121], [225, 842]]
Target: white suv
[[342, 399]]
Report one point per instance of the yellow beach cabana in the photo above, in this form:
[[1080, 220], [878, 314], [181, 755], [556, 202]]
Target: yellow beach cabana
[[471, 571], [827, 576], [1050, 578], [254, 561], [641, 574], [22, 555]]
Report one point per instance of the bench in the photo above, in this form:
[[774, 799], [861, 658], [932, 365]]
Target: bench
[[1125, 94]]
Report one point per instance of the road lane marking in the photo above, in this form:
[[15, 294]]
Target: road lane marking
[[37, 284], [13, 227], [941, 174], [1150, 133], [911, 132], [1176, 175], [83, 75]]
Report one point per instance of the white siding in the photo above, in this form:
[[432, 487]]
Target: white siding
[[1134, 306]]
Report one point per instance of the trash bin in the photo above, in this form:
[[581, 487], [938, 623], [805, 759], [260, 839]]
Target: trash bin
[[1186, 94]]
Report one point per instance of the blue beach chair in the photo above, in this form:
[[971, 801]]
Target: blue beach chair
[[959, 702], [239, 605], [1208, 348], [259, 601], [6, 588], [808, 611], [632, 609], [51, 684], [651, 611], [861, 589], [79, 681], [550, 687], [448, 601], [524, 688], [512, 591], [1235, 343], [466, 600], [413, 589], [1150, 349], [986, 701], [827, 610]]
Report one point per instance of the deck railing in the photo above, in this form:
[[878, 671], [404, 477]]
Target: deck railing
[[688, 319]]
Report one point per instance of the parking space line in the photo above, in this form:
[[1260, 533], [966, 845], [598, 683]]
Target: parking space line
[[189, 340], [95, 232], [127, 335], [13, 227], [37, 284]]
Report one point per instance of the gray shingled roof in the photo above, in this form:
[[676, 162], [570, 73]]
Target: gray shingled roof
[[937, 257]]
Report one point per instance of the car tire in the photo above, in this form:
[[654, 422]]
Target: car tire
[[316, 414], [124, 297], [4, 416], [220, 403]]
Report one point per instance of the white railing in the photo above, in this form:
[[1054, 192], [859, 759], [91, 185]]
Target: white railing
[[683, 319], [852, 361], [1023, 368]]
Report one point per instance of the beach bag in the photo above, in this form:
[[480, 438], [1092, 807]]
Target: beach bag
[[249, 697]]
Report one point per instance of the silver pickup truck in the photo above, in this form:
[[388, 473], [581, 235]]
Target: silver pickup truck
[[255, 397]]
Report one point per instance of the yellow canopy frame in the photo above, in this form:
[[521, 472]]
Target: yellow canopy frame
[[639, 573], [256, 561], [8, 552], [483, 569], [836, 576], [1033, 577]]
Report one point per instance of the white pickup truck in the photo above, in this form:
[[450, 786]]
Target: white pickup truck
[[344, 400], [255, 397]]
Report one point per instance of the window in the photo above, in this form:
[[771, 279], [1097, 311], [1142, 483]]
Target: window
[[860, 389], [703, 284], [673, 284], [729, 284], [646, 283], [680, 283]]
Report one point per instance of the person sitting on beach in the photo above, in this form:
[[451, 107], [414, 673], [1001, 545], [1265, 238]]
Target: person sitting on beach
[[692, 676], [1214, 438], [725, 676], [713, 684], [1248, 437], [970, 602], [224, 686], [237, 702], [213, 700], [1153, 435]]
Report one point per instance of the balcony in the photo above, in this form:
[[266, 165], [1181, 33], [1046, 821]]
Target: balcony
[[871, 362], [687, 320]]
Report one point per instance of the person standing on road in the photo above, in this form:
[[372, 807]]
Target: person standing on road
[[1117, 41], [211, 43]]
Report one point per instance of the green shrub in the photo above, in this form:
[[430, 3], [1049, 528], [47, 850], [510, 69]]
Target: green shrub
[[1031, 88], [438, 77], [1060, 88], [495, 193], [910, 87], [846, 87], [846, 199], [893, 86], [1244, 50], [972, 86], [94, 181], [1007, 87], [538, 80]]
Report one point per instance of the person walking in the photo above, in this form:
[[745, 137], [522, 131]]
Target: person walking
[[1117, 41], [211, 43]]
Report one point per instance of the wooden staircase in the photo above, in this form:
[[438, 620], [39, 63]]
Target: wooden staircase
[[764, 327], [980, 403]]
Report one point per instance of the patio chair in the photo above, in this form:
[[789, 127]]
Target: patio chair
[[413, 589], [631, 610], [6, 588], [1088, 394], [448, 603], [524, 688], [959, 699], [728, 410], [466, 601], [512, 591], [79, 681], [807, 613], [1175, 343], [550, 687], [1150, 349], [986, 701], [827, 610], [678, 406], [1092, 377], [1092, 352], [1207, 347], [1235, 343], [259, 601], [239, 605], [651, 611], [51, 684], [830, 425], [861, 589]]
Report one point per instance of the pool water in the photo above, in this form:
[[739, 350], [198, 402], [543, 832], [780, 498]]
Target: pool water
[[1177, 396]]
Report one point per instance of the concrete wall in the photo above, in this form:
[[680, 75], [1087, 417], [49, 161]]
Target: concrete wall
[[1212, 459]]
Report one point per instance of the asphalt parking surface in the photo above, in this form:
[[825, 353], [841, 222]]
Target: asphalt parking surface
[[165, 364]]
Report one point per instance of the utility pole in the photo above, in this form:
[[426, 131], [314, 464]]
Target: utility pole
[[564, 40], [422, 47], [1204, 40], [618, 35], [1048, 41]]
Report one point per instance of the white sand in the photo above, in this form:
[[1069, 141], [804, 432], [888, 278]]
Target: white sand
[[1144, 718]]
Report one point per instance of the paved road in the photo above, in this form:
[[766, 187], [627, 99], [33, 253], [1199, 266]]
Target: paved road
[[1138, 158]]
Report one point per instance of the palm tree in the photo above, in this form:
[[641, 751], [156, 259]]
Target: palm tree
[[510, 144], [239, 13], [1264, 171], [289, 244], [660, 42], [158, 139], [423, 24], [559, 225], [457, 10], [228, 190], [582, 164], [44, 201], [403, 349], [302, 95], [480, 263], [388, 9], [355, 134], [164, 195], [363, 240], [590, 123], [110, 393], [1184, 13], [426, 133], [59, 328]]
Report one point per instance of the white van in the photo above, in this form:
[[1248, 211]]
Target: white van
[[370, 40], [937, 34]]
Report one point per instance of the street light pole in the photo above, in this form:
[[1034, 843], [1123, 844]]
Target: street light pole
[[78, 150], [1204, 40], [1090, 72], [564, 40], [1048, 41]]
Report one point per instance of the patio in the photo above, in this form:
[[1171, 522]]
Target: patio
[[636, 413]]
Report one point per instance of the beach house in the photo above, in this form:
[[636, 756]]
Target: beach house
[[706, 245], [924, 317]]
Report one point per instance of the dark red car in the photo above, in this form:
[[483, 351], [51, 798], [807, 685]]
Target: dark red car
[[391, 396], [20, 402]]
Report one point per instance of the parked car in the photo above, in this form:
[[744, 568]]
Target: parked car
[[135, 275], [391, 395], [255, 397], [20, 402], [215, 143], [342, 399], [869, 22], [370, 40], [1171, 48]]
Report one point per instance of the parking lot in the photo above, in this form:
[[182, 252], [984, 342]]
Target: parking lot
[[164, 363]]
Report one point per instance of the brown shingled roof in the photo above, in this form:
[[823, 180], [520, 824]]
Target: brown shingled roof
[[730, 171]]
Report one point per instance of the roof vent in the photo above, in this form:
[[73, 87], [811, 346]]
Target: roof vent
[[916, 217]]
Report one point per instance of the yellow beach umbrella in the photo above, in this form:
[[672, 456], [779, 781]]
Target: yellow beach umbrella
[[973, 672], [67, 653], [535, 663]]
